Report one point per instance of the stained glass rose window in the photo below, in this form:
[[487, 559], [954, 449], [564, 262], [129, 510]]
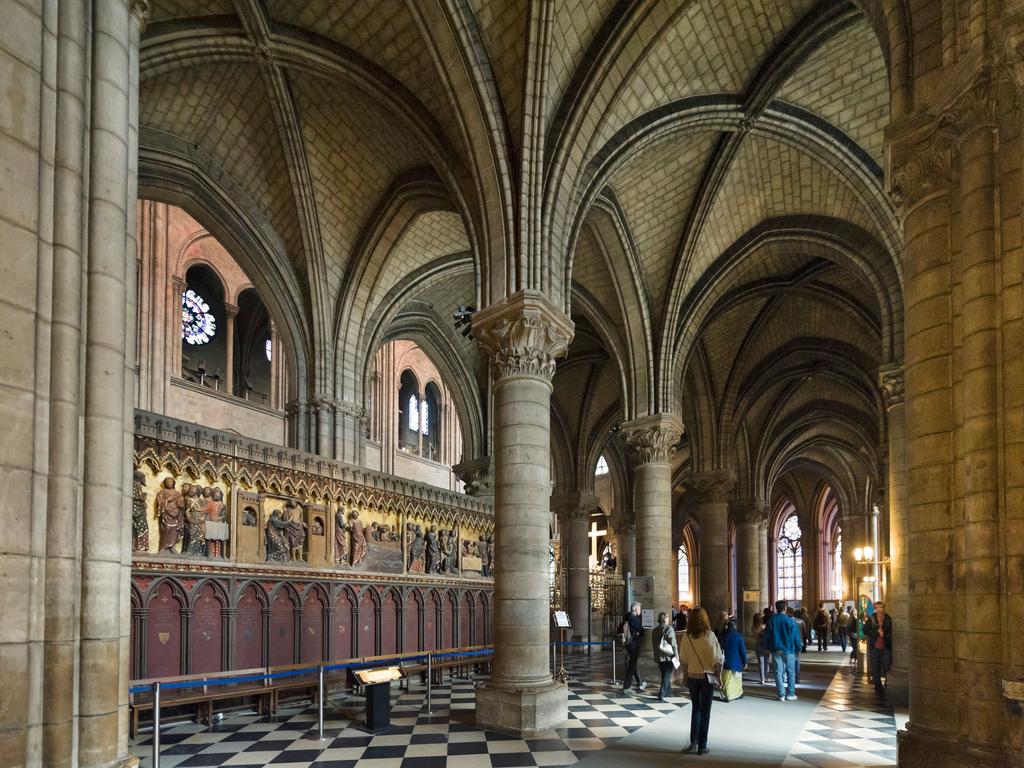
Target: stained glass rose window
[[198, 326]]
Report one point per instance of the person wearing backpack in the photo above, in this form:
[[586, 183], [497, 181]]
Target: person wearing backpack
[[821, 627], [632, 631]]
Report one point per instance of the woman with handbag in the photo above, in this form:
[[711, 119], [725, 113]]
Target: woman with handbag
[[702, 659], [666, 652]]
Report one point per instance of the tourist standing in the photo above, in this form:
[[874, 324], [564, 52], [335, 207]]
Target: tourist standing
[[735, 650], [821, 627], [701, 656], [878, 629], [783, 637], [663, 640], [842, 625], [632, 631]]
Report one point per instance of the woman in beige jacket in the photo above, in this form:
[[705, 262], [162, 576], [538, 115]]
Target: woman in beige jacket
[[702, 657]]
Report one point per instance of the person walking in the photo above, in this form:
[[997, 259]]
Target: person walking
[[761, 648], [701, 657], [783, 639], [663, 640], [735, 650], [821, 627], [632, 631], [878, 629], [843, 626]]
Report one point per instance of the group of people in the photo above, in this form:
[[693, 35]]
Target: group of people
[[716, 658], [193, 521]]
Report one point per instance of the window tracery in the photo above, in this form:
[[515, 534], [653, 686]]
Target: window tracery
[[790, 567], [198, 326]]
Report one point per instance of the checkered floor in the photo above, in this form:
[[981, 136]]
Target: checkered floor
[[599, 714], [849, 727]]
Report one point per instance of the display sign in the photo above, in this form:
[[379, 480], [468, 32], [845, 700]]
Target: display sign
[[641, 590], [751, 596], [378, 675], [647, 617], [562, 620]]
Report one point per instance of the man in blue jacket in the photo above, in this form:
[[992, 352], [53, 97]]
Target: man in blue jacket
[[782, 636]]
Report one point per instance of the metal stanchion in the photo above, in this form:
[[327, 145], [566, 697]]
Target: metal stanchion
[[320, 701], [156, 725], [590, 616], [614, 676], [430, 681]]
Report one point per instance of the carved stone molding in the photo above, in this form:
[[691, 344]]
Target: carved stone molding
[[976, 108], [749, 511], [322, 404], [478, 475], [712, 487], [140, 10], [622, 524], [523, 335], [922, 168], [1011, 58], [574, 506], [893, 384], [653, 438]]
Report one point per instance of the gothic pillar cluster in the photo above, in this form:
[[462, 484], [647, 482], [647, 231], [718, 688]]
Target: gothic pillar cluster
[[956, 173], [574, 511], [523, 336], [712, 512], [67, 298], [652, 440], [748, 515]]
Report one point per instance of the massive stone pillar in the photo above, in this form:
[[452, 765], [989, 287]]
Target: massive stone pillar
[[897, 604], [624, 527], [955, 171], [574, 510], [763, 565], [523, 336], [230, 315], [748, 515], [652, 439], [712, 512]]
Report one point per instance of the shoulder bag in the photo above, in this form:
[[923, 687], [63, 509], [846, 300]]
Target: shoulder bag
[[665, 647], [713, 677]]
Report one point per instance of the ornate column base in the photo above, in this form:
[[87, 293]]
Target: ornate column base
[[522, 712], [919, 750]]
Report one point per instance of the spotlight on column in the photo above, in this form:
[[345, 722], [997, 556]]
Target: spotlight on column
[[463, 317]]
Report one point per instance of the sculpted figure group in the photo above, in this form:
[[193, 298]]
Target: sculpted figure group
[[285, 535], [193, 521]]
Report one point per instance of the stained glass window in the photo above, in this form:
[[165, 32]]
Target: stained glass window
[[683, 563], [602, 467], [198, 326], [414, 413], [790, 567], [424, 416], [267, 347], [837, 572]]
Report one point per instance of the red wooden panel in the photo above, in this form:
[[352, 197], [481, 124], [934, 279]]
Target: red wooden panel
[[481, 636], [448, 622], [367, 625], [389, 624], [163, 634], [205, 631], [429, 623], [312, 644], [411, 641], [466, 620], [343, 626], [249, 630], [282, 630]]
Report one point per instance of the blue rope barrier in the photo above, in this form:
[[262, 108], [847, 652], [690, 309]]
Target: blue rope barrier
[[168, 686], [583, 642]]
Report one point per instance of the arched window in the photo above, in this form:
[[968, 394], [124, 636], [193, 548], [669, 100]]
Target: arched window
[[683, 564], [430, 421], [408, 412], [414, 414], [198, 326], [602, 466], [790, 566], [203, 345]]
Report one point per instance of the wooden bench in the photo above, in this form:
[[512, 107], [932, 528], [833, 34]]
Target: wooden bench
[[200, 697]]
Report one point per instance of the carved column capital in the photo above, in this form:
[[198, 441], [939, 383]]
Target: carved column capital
[[622, 524], [477, 474], [230, 310], [893, 384], [921, 165], [749, 511], [574, 506], [973, 109], [139, 9], [712, 487], [523, 335], [653, 438]]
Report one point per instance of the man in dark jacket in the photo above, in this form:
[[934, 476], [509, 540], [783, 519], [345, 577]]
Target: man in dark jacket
[[878, 629], [782, 636], [633, 630]]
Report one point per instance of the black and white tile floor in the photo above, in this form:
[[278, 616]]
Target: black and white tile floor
[[599, 713], [849, 727]]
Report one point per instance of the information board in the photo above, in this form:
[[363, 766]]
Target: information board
[[647, 618], [562, 620]]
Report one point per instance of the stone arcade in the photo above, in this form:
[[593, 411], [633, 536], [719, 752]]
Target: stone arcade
[[745, 294]]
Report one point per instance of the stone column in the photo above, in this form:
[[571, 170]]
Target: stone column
[[231, 312], [523, 336], [748, 515], [276, 368], [323, 410], [478, 477], [652, 439], [574, 510], [712, 512], [350, 432], [763, 564], [174, 323], [898, 680], [624, 527], [102, 707]]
